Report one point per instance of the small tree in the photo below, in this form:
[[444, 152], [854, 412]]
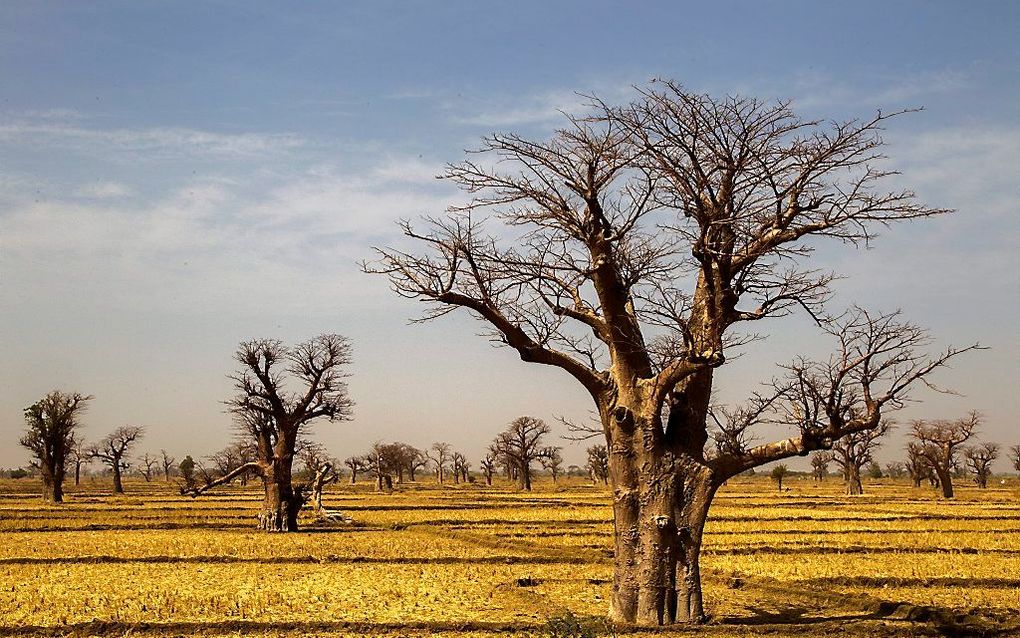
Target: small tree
[[939, 444], [80, 457], [598, 463], [167, 462], [979, 460], [553, 461], [895, 470], [521, 445], [874, 470], [1014, 453], [853, 452], [488, 464], [356, 464], [820, 465], [112, 452], [779, 472], [50, 426], [439, 455], [147, 464], [917, 466]]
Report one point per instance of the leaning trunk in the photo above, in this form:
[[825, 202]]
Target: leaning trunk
[[280, 504], [53, 488], [853, 480]]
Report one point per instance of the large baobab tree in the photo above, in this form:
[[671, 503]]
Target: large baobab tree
[[979, 459], [521, 445], [854, 451], [50, 426], [939, 443], [634, 245], [113, 449], [281, 391]]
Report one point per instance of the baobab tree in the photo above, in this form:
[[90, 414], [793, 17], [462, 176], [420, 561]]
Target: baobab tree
[[147, 464], [598, 463], [439, 455], [488, 464], [820, 465], [917, 466], [552, 462], [1014, 453], [521, 445], [636, 243], [113, 449], [80, 457], [356, 464], [852, 452], [460, 466], [167, 463], [979, 459], [273, 418], [939, 443], [50, 427]]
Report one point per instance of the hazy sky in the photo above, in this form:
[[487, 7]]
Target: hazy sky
[[177, 177]]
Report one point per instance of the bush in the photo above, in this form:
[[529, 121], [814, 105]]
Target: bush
[[568, 625]]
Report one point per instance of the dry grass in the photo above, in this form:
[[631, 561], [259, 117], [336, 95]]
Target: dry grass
[[428, 561]]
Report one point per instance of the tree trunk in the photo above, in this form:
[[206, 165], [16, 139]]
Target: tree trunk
[[945, 480], [77, 474], [280, 505], [53, 489], [853, 480], [118, 486], [659, 514]]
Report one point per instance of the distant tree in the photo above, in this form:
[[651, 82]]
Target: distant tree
[[488, 465], [820, 465], [598, 463], [357, 464], [553, 461], [50, 427], [281, 392], [1014, 453], [380, 463], [460, 466], [439, 455], [852, 452], [779, 472], [167, 463], [147, 464], [112, 452], [917, 466], [895, 470], [874, 470], [187, 471], [80, 457], [417, 460], [521, 444], [979, 460], [939, 443]]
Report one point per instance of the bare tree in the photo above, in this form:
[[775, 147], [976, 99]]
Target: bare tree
[[552, 460], [147, 466], [112, 451], [380, 464], [521, 444], [356, 464], [50, 427], [488, 464], [820, 465], [598, 464], [636, 241], [439, 455], [1014, 453], [167, 462], [80, 457], [273, 419], [939, 445], [895, 470], [979, 460], [417, 460], [917, 467], [853, 452], [460, 466]]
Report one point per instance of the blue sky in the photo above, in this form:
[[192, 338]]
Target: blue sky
[[176, 177]]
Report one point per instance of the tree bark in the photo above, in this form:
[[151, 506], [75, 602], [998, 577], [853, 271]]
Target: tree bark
[[77, 473], [853, 480], [280, 505], [118, 486], [53, 489], [945, 480]]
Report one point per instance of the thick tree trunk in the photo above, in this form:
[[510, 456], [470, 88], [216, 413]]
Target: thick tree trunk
[[77, 474], [853, 480], [945, 481], [53, 488], [280, 505], [118, 486]]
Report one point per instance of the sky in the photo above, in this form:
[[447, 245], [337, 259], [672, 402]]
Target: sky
[[178, 177]]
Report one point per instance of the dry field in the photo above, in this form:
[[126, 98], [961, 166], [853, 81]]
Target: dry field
[[468, 560]]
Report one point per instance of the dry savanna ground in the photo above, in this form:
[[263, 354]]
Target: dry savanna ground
[[468, 560]]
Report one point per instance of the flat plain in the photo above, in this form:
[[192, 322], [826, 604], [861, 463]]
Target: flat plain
[[466, 560]]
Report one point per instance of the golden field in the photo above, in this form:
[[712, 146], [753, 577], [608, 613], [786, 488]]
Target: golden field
[[469, 560]]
